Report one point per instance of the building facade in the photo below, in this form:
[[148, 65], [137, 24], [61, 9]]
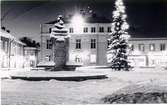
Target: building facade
[[12, 51], [14, 54], [88, 45], [149, 52], [31, 57]]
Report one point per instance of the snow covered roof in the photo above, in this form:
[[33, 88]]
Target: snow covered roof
[[19, 42], [9, 36], [6, 35], [30, 48]]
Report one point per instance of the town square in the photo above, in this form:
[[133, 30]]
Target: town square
[[83, 52]]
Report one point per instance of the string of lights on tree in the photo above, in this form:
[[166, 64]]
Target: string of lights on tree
[[119, 38]]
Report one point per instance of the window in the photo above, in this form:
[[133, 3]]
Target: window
[[93, 29], [78, 43], [162, 47], [48, 44], [141, 47], [152, 47], [48, 58], [108, 43], [3, 45], [93, 44], [85, 29], [101, 29], [50, 30], [93, 58], [78, 59], [132, 47], [6, 46], [109, 29], [71, 30]]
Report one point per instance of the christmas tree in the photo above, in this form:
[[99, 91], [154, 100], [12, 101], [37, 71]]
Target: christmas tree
[[119, 38]]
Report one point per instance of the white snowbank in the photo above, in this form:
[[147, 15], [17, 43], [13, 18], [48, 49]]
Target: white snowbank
[[64, 92]]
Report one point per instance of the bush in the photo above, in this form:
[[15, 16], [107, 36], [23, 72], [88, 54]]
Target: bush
[[139, 97]]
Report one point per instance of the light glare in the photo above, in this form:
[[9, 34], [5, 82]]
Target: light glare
[[77, 22]]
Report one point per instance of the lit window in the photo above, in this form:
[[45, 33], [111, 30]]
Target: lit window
[[109, 29], [71, 30], [162, 47], [6, 46], [93, 29], [85, 29], [141, 47], [48, 44], [152, 47], [93, 58], [93, 43], [78, 43], [101, 29]]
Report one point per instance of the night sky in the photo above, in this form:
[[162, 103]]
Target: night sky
[[147, 18]]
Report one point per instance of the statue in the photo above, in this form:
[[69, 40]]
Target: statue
[[58, 31], [59, 37]]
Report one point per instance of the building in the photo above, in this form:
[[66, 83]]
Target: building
[[149, 52], [14, 54], [11, 49], [88, 44], [30, 56]]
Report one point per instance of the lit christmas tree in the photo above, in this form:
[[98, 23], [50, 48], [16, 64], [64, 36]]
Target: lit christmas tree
[[119, 39]]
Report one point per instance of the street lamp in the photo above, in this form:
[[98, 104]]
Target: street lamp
[[77, 22]]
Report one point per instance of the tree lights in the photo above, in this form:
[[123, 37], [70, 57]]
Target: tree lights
[[119, 38]]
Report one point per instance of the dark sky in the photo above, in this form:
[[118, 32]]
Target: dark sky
[[147, 18]]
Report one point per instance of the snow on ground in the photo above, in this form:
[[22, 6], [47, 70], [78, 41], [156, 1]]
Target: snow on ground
[[56, 92], [53, 92]]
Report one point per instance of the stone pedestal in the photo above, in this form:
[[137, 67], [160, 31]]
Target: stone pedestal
[[60, 51]]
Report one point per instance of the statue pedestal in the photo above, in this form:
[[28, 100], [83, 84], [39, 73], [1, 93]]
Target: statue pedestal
[[59, 35], [60, 50]]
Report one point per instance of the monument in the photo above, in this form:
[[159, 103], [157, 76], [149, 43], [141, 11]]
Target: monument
[[59, 35]]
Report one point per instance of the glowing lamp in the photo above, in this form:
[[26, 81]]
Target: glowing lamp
[[77, 22]]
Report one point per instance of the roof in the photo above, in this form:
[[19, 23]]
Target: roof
[[6, 35], [9, 36], [30, 48], [19, 42], [137, 39], [92, 19]]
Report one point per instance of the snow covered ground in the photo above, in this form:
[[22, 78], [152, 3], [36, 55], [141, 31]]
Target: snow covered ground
[[53, 92]]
